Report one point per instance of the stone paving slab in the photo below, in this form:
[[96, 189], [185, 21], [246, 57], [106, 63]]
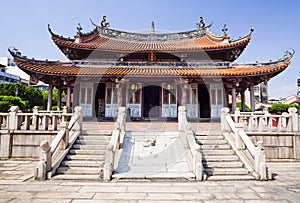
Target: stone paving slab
[[284, 188]]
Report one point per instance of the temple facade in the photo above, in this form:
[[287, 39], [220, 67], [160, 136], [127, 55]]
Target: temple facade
[[151, 74]]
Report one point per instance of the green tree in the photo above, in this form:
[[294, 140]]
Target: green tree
[[7, 101], [280, 108], [29, 95], [239, 105], [54, 98]]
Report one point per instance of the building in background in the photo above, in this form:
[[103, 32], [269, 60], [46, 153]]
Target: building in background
[[12, 73], [261, 93]]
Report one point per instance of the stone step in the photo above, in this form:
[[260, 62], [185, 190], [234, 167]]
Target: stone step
[[86, 157], [226, 171], [92, 137], [212, 142], [209, 137], [76, 163], [90, 147], [231, 164], [86, 152], [77, 177], [218, 158], [208, 152], [230, 177], [215, 147], [92, 142], [96, 132], [155, 176], [79, 170]]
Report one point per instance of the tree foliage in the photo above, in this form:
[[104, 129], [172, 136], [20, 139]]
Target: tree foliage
[[7, 101], [280, 108], [29, 96], [239, 105]]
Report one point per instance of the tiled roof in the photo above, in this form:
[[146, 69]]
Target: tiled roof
[[99, 42], [67, 68]]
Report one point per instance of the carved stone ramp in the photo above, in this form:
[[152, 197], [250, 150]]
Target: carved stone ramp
[[153, 155]]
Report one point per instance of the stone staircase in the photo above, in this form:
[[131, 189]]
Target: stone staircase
[[219, 160], [85, 159]]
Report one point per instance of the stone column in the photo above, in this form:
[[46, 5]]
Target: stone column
[[226, 102], [233, 94], [69, 98], [252, 99], [49, 103], [119, 88], [59, 98], [243, 101], [184, 95]]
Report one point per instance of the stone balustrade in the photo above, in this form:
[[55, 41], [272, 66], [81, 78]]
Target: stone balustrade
[[265, 122], [114, 144], [252, 156], [52, 155], [189, 141], [37, 120]]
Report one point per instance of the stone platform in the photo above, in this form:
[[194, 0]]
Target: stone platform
[[16, 185]]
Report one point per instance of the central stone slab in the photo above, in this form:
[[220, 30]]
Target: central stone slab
[[150, 155]]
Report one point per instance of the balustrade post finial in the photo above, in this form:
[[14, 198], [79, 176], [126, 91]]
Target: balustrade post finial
[[260, 161], [45, 162], [295, 119]]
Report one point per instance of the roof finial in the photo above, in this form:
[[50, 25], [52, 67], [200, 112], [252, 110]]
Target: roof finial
[[201, 24], [79, 28], [104, 23], [225, 29], [152, 28]]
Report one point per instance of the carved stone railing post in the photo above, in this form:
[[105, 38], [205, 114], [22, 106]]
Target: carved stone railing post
[[13, 118], [35, 118], [182, 118], [65, 141], [294, 119], [54, 121], [108, 164], [238, 140], [224, 125], [64, 111], [237, 114], [260, 161], [44, 161], [79, 111]]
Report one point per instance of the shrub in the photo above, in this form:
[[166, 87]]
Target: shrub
[[239, 105], [7, 101], [280, 108]]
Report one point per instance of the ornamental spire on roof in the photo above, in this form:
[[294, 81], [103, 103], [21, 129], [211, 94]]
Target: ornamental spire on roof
[[152, 31]]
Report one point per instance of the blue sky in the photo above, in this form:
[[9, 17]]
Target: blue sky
[[23, 24]]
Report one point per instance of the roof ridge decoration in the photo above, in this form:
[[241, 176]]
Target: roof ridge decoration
[[174, 36]]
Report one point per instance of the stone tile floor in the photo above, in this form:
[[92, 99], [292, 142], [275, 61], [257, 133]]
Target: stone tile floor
[[16, 185]]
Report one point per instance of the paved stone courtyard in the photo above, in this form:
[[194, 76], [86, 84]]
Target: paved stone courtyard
[[16, 185]]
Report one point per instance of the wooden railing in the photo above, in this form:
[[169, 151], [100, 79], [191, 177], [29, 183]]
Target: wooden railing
[[189, 141], [37, 120], [114, 144], [252, 156], [52, 154], [265, 122]]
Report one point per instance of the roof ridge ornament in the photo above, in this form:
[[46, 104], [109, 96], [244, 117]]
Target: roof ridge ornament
[[201, 24], [104, 23], [152, 31], [79, 29], [224, 30]]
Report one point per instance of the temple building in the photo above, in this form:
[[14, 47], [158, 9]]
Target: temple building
[[151, 74]]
